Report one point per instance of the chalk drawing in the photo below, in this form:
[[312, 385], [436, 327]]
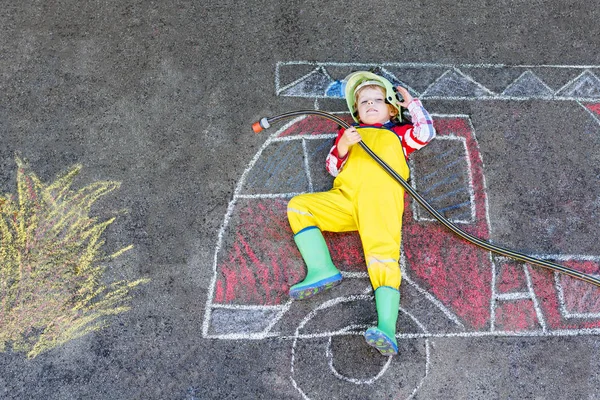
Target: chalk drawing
[[586, 86], [528, 84], [51, 263], [455, 84], [393, 79], [593, 110], [309, 377], [447, 181], [450, 289], [316, 83], [451, 81]]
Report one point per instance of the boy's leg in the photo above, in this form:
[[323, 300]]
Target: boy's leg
[[308, 215], [329, 211], [383, 337], [321, 274], [380, 225]]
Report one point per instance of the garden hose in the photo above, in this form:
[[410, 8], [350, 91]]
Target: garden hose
[[265, 123]]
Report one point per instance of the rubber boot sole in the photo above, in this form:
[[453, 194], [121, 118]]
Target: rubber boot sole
[[307, 291], [378, 339]]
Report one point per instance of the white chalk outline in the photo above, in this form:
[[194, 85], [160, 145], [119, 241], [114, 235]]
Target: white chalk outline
[[347, 331], [410, 89], [306, 166], [425, 216], [266, 333], [572, 81], [430, 65], [228, 213], [451, 316], [237, 195], [301, 79], [594, 116], [329, 355], [445, 310], [513, 296], [520, 77], [449, 67], [562, 303], [468, 78]]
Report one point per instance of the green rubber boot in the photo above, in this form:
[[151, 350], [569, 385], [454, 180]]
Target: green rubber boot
[[321, 273], [383, 338]]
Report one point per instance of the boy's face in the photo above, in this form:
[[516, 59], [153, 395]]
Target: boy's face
[[372, 108]]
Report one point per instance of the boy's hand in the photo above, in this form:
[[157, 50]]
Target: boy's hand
[[349, 138], [406, 97]]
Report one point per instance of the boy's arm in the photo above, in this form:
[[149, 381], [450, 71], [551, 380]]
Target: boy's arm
[[334, 163], [422, 131]]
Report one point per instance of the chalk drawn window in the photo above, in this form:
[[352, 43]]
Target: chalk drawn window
[[441, 174]]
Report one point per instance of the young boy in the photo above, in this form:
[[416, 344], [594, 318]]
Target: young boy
[[364, 198]]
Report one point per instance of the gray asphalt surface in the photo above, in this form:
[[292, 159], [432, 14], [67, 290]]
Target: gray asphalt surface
[[160, 96]]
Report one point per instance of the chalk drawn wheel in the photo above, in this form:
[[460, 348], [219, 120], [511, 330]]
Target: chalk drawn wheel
[[329, 357]]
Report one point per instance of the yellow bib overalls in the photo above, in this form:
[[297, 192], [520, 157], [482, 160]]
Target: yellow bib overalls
[[366, 199]]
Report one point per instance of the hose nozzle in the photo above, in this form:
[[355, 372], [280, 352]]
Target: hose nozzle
[[260, 125]]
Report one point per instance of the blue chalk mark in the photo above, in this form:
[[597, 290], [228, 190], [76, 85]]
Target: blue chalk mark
[[267, 175], [297, 182], [336, 89], [446, 195], [269, 165], [280, 160], [442, 169], [278, 167], [455, 207], [450, 179], [326, 144], [444, 154]]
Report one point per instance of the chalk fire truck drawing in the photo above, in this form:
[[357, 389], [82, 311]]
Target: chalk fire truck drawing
[[450, 288]]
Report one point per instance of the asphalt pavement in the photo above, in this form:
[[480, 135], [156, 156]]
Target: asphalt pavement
[[160, 96]]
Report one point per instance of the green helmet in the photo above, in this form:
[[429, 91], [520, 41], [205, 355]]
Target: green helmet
[[356, 80]]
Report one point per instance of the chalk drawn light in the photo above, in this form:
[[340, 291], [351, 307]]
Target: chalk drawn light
[[51, 270]]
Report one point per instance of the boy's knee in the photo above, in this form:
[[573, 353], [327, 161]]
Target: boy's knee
[[297, 205], [293, 203], [384, 274], [298, 215]]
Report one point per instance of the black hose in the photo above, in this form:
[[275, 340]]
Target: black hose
[[468, 237]]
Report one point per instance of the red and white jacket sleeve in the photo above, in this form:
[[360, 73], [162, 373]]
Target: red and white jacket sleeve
[[422, 130], [413, 137], [334, 163]]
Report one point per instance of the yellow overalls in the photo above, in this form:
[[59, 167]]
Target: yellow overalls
[[366, 199]]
